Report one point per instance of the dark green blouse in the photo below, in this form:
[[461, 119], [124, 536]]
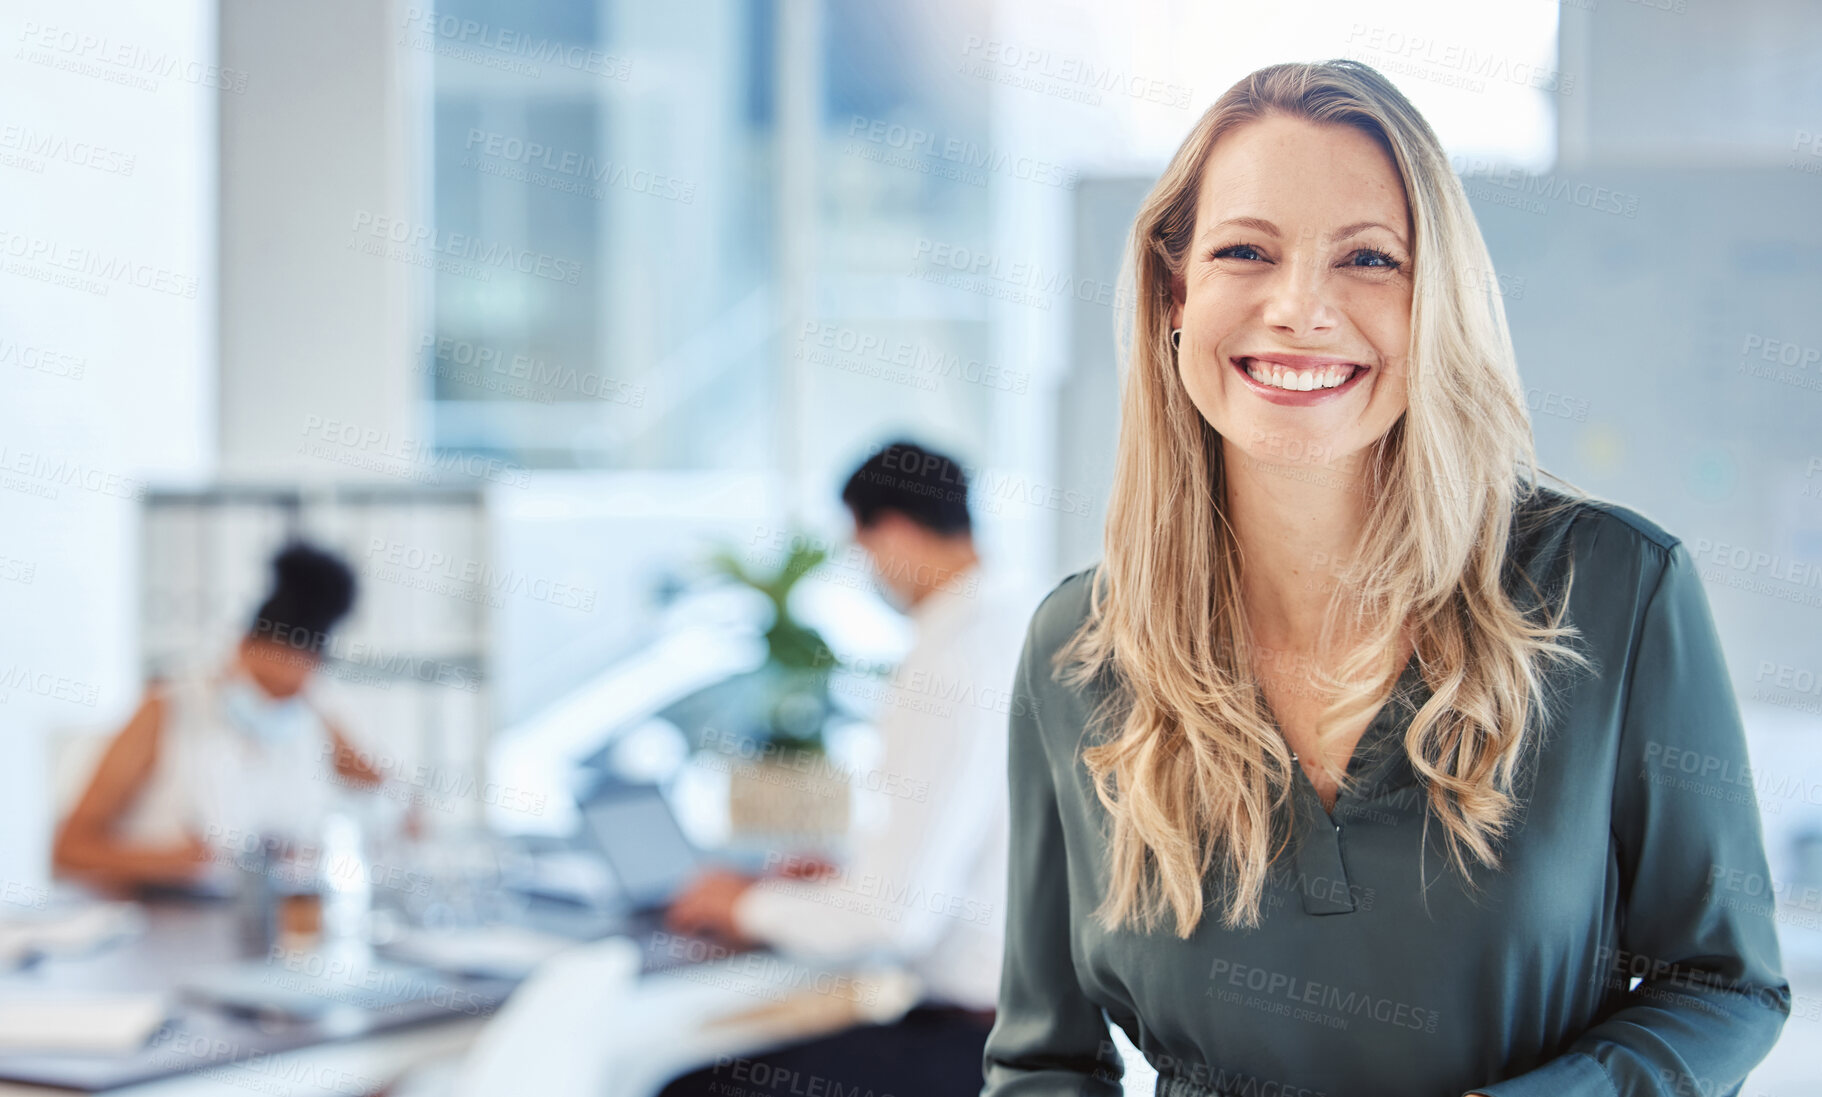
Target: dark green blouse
[[1624, 947]]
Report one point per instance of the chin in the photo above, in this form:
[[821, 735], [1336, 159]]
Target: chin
[[1268, 443]]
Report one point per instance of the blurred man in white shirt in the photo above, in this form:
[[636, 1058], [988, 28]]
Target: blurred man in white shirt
[[927, 889]]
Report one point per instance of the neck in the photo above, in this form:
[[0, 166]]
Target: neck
[[941, 565], [1297, 525]]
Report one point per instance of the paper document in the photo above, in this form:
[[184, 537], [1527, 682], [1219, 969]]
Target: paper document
[[93, 1023]]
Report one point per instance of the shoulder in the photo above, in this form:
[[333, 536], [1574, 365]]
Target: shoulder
[[149, 717], [1612, 539], [138, 740], [1059, 616], [187, 690], [176, 695], [1628, 524]]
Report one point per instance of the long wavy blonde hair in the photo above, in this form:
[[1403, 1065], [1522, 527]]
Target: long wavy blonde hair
[[1187, 760]]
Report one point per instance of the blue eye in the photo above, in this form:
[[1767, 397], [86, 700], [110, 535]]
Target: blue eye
[[1386, 261], [1364, 258]]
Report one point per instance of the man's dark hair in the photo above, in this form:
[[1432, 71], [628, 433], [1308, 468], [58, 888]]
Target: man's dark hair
[[311, 591], [923, 485]]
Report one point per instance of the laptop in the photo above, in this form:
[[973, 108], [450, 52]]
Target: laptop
[[651, 858], [652, 861]]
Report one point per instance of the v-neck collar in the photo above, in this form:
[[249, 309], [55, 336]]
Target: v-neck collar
[[1379, 763], [1378, 766]]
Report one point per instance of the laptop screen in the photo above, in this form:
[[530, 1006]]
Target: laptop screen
[[650, 856]]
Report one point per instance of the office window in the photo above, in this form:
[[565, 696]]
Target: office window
[[604, 179]]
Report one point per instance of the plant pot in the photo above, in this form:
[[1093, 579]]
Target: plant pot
[[800, 793]]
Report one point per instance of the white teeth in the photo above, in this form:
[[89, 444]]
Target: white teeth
[[1275, 375]]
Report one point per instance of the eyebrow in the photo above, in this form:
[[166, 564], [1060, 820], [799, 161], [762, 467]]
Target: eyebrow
[[1260, 224]]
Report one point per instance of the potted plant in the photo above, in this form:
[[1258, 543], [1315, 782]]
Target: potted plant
[[787, 785]]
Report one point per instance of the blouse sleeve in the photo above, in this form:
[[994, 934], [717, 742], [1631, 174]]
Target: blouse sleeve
[[1696, 929], [1047, 1037]]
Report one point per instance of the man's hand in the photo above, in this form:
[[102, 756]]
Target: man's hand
[[706, 907], [806, 867]]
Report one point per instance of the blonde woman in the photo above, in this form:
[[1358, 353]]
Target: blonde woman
[[1357, 766]]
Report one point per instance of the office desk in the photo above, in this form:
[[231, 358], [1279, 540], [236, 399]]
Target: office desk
[[345, 1051], [323, 1070], [571, 1032], [584, 1025]]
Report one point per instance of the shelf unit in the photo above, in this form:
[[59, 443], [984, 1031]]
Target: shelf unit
[[407, 671]]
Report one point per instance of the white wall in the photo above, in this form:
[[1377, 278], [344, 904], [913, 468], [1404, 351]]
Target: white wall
[[107, 355], [1691, 83], [326, 144]]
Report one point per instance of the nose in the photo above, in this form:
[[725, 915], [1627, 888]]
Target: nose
[[1295, 303]]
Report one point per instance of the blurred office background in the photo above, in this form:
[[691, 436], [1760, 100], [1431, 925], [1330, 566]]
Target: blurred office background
[[529, 308]]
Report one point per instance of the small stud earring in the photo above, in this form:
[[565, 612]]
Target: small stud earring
[[1176, 339]]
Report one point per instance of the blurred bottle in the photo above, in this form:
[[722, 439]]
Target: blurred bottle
[[346, 895], [255, 895]]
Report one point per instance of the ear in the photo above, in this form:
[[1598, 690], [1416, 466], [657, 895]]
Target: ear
[[1177, 291], [892, 524]]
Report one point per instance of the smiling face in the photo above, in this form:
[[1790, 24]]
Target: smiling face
[[1295, 294]]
